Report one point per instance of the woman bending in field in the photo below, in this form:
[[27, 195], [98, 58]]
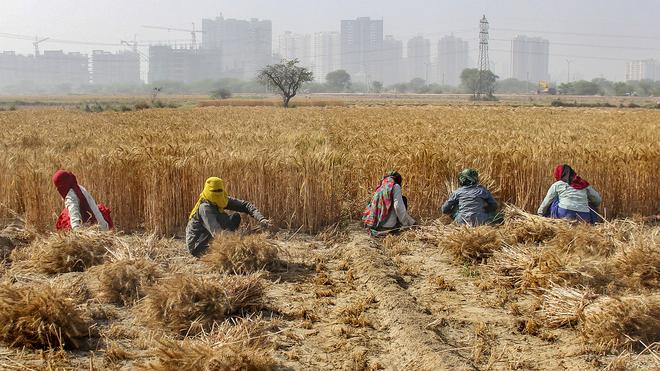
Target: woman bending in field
[[472, 203], [208, 217], [570, 197], [79, 206], [388, 208]]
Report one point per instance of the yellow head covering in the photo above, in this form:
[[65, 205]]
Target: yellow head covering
[[214, 192]]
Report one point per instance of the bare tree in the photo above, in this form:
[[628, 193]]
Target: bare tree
[[285, 78]]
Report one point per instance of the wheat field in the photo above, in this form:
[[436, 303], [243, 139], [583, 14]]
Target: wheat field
[[312, 167]]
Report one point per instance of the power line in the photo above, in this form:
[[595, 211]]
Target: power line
[[580, 34], [583, 45]]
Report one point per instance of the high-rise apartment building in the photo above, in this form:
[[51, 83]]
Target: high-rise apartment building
[[648, 69], [419, 58], [326, 48], [361, 48], [296, 46], [453, 56], [530, 58], [245, 46], [115, 68], [392, 62]]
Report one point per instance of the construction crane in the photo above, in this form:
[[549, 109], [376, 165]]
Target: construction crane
[[36, 43], [131, 44], [193, 32]]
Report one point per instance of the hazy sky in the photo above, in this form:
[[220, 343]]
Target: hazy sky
[[624, 30]]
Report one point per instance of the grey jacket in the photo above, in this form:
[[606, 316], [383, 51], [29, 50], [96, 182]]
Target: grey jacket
[[580, 200], [470, 205], [210, 220]]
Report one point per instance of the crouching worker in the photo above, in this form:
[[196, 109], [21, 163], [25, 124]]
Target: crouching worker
[[570, 197], [388, 208], [80, 208], [471, 204], [208, 217]]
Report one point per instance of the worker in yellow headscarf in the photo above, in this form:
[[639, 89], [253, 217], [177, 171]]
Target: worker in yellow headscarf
[[208, 217]]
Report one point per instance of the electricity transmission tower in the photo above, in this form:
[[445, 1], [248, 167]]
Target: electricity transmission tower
[[484, 65]]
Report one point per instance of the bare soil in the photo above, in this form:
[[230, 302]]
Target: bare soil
[[352, 302]]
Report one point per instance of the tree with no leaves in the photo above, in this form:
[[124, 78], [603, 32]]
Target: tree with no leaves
[[285, 78]]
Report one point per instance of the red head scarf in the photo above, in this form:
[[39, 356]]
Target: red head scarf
[[567, 175], [65, 181]]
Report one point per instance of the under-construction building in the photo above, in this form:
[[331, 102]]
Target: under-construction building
[[15, 68], [52, 68], [115, 68], [167, 63]]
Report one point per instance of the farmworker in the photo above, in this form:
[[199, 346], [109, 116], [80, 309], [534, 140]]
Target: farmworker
[[79, 206], [570, 197], [209, 218], [388, 209], [471, 204]]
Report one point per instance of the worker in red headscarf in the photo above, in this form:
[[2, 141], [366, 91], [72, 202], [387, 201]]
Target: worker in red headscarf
[[79, 206], [570, 197]]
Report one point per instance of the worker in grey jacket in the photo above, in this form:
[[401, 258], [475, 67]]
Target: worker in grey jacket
[[570, 197], [208, 217], [472, 203]]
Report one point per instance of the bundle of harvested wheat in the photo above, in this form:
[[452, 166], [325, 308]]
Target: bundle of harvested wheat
[[241, 344], [238, 254], [124, 281], [471, 244], [637, 264], [185, 303], [529, 267], [40, 317], [61, 253], [522, 227], [512, 261], [193, 355], [563, 306], [611, 323], [585, 240], [14, 235]]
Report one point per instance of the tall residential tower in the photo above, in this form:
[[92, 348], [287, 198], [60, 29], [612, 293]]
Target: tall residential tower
[[453, 58], [530, 58]]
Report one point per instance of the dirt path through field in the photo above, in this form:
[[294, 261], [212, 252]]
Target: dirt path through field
[[402, 304]]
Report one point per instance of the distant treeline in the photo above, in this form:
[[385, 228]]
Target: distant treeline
[[336, 82]]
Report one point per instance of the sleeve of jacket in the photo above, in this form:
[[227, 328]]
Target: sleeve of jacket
[[244, 207], [72, 204], [400, 208], [209, 216], [450, 205], [490, 201], [549, 197], [593, 197]]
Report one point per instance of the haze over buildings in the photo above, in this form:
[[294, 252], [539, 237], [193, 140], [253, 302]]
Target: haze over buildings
[[453, 58], [361, 47], [419, 58], [431, 40], [530, 57], [648, 69]]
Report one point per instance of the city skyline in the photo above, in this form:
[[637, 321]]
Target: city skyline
[[567, 43]]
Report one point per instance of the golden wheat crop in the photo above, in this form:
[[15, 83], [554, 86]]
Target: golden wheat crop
[[312, 167]]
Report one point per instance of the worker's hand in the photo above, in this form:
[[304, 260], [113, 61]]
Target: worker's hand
[[266, 224]]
